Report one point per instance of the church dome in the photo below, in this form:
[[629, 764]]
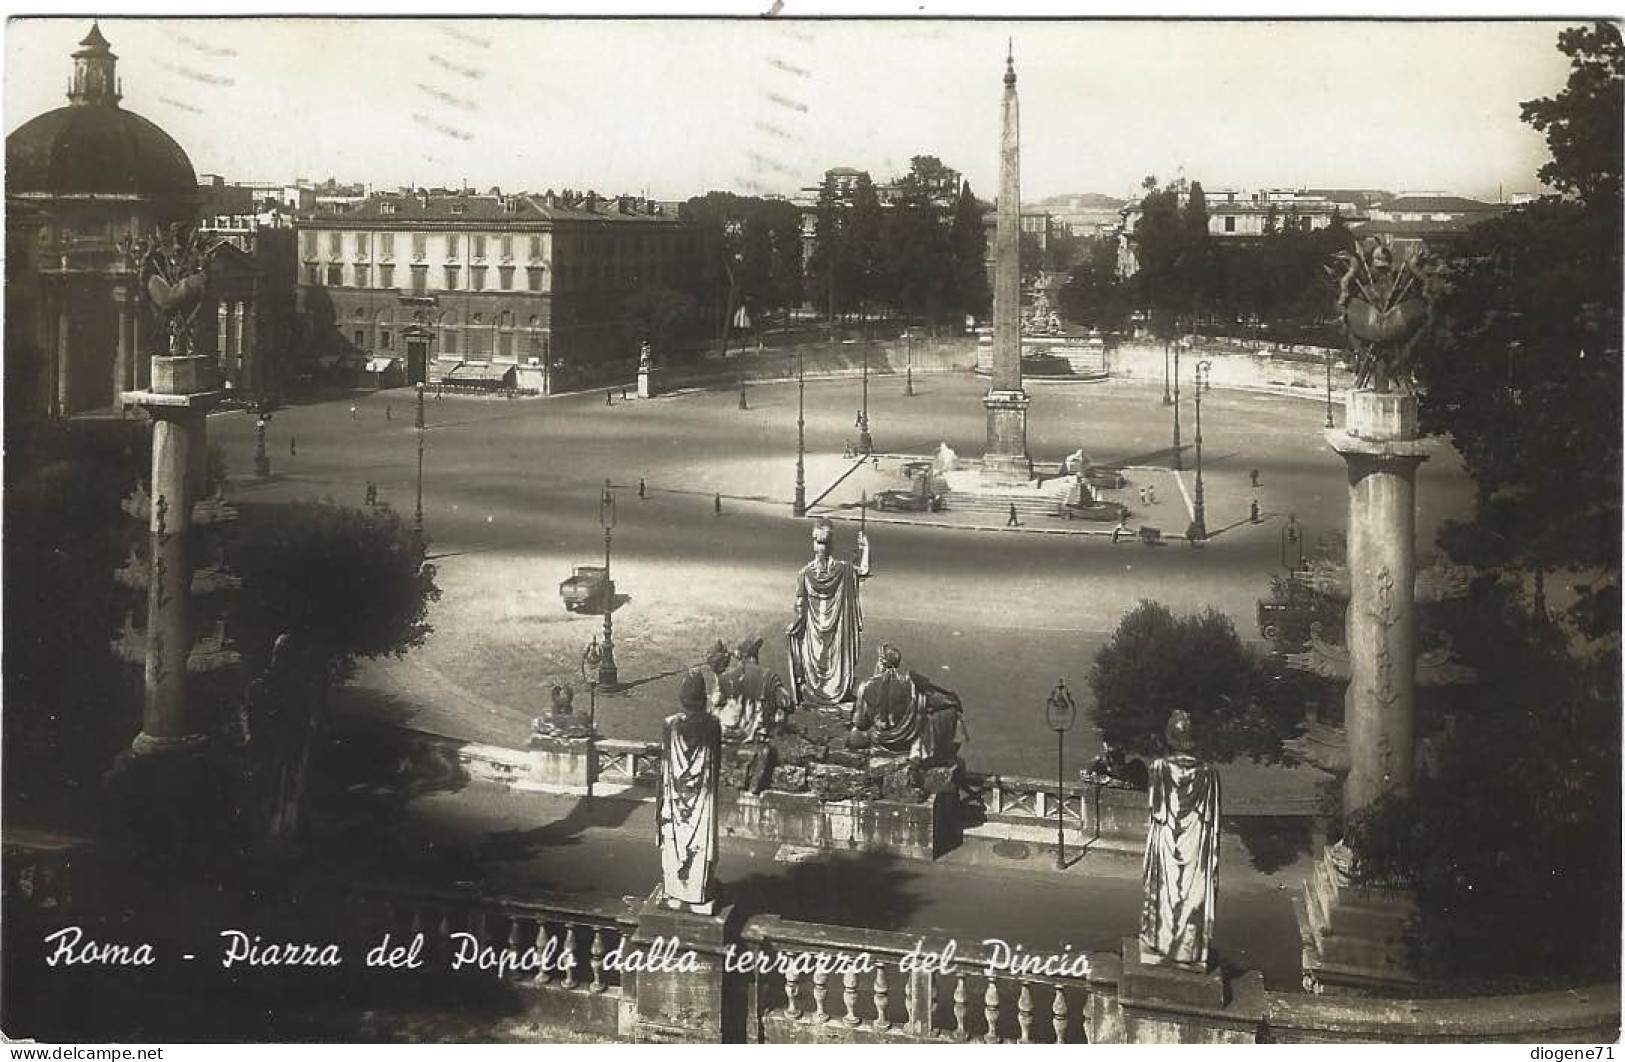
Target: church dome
[[93, 146]]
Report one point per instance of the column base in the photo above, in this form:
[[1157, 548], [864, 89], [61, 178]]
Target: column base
[[645, 385], [1006, 462], [176, 797], [1354, 937]]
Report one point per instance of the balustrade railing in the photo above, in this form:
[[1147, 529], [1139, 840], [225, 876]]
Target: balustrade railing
[[1024, 798], [817, 982], [628, 762], [543, 943]]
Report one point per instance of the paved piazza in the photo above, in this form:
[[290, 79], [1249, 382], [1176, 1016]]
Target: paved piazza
[[511, 502]]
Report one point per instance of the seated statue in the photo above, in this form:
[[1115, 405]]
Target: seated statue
[[752, 696], [946, 460], [904, 713]]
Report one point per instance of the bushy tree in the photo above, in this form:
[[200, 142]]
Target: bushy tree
[[1156, 662], [967, 247], [758, 240], [824, 264], [1093, 294], [656, 314]]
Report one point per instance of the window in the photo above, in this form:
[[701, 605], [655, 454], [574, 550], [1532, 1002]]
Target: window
[[452, 247], [360, 338], [1229, 224], [309, 242], [533, 279], [335, 244], [535, 247], [335, 275], [507, 246], [420, 280], [313, 274], [384, 339], [505, 345], [361, 275], [386, 276], [479, 246], [386, 207], [420, 245], [451, 278], [506, 273], [386, 245], [476, 274], [448, 341], [361, 243]]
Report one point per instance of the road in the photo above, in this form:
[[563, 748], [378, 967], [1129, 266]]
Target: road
[[511, 501]]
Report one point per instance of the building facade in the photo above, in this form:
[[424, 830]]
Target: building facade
[[460, 286]]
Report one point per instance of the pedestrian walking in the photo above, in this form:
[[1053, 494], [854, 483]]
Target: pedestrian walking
[[623, 392], [1142, 497], [293, 446], [846, 450], [1119, 531], [1151, 494], [1014, 521], [641, 493], [352, 413], [859, 422], [717, 504], [609, 398], [372, 493], [1255, 511], [1254, 475], [389, 411]]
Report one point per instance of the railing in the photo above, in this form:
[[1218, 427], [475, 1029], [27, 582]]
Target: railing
[[627, 762], [834, 983], [1023, 798], [531, 942]]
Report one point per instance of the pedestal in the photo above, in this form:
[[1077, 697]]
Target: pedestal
[[1171, 1005], [1354, 937], [645, 384], [1006, 462], [687, 1005]]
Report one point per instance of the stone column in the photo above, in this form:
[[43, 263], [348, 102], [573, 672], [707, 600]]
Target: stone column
[[63, 356], [1006, 460], [1382, 450], [121, 357]]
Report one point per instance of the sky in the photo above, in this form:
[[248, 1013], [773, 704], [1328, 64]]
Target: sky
[[676, 108]]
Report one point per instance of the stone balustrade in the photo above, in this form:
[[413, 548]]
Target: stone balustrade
[[1093, 813], [628, 762], [898, 1001]]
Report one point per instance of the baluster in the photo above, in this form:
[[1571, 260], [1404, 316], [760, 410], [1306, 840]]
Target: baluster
[[849, 997], [912, 991], [990, 1010], [417, 921], [442, 945], [882, 998], [820, 990], [568, 956], [516, 945], [1058, 1012], [598, 960], [961, 998], [543, 974], [477, 926], [792, 988], [1024, 1013]]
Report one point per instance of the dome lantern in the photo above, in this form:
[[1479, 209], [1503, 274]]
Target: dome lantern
[[95, 80]]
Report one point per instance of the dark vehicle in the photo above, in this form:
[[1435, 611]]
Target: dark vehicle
[[1102, 478], [908, 501], [588, 590]]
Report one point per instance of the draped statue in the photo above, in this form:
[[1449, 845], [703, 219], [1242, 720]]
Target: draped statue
[[686, 814], [1181, 870], [752, 696], [825, 636], [905, 713]]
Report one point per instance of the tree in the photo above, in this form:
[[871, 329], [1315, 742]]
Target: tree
[[1156, 662], [656, 314], [1523, 373], [967, 248], [757, 241], [863, 273], [1160, 282], [1093, 294], [824, 264]]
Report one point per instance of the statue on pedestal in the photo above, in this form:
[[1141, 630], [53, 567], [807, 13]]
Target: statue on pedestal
[[825, 636], [645, 358], [172, 267], [752, 696], [904, 713], [1181, 869], [686, 814]]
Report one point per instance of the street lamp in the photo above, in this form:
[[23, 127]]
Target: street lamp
[[417, 515], [799, 506], [866, 442], [1167, 399], [908, 385], [1198, 528], [262, 462], [1292, 544], [1329, 388], [608, 678], [1061, 711], [1179, 458]]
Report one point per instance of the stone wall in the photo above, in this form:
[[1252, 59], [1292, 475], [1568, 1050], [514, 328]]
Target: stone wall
[[1302, 371]]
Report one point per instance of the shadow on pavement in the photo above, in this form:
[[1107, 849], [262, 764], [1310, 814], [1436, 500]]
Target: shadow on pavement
[[865, 890], [586, 814]]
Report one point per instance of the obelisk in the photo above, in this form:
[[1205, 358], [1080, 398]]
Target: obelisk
[[1006, 461]]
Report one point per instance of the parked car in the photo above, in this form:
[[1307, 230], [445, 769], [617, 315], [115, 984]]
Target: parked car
[[588, 590]]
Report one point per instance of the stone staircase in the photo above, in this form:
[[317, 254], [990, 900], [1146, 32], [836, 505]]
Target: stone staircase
[[1353, 936], [1030, 504]]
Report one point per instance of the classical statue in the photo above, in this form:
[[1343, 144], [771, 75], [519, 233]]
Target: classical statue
[[752, 696], [1385, 306], [717, 659], [904, 713], [1181, 870], [825, 635], [645, 357], [686, 814], [945, 460]]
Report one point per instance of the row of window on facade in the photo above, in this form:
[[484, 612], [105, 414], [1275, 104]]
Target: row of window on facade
[[478, 245], [482, 340], [569, 277]]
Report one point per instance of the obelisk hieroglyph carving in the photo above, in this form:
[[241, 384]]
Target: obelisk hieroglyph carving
[[1006, 460]]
